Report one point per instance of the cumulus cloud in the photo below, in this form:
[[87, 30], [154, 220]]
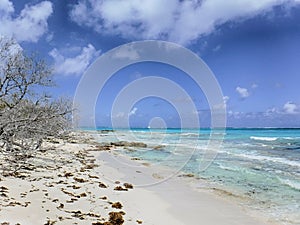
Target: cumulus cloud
[[290, 108], [29, 25], [243, 92], [174, 20], [75, 65]]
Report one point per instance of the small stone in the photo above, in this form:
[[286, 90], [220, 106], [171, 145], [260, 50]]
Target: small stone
[[128, 186], [80, 180], [83, 195], [117, 205], [119, 188], [102, 185]]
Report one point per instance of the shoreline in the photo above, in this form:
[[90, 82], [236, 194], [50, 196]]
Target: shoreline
[[76, 182], [188, 200]]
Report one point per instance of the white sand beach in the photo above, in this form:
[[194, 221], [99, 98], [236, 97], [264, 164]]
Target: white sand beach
[[76, 182]]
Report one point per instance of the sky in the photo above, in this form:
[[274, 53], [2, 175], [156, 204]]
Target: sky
[[251, 46]]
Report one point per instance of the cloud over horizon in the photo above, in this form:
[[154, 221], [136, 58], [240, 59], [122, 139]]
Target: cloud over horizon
[[173, 20], [290, 108], [29, 25]]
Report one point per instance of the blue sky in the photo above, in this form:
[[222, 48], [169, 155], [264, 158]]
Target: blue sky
[[251, 46]]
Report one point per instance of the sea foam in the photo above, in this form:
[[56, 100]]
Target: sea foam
[[263, 138]]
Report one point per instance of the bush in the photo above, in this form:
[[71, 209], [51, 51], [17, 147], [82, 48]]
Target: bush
[[27, 114]]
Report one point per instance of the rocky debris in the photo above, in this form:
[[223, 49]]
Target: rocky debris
[[105, 131], [75, 187], [68, 174], [129, 144], [117, 205], [139, 221], [125, 144], [120, 188], [80, 180], [80, 215], [3, 192], [103, 147], [116, 218], [89, 166], [159, 147], [15, 203], [50, 222], [187, 175], [53, 140], [72, 200], [93, 177], [135, 159], [102, 185], [128, 186], [82, 195]]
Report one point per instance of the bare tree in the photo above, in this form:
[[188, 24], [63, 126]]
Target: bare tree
[[27, 114]]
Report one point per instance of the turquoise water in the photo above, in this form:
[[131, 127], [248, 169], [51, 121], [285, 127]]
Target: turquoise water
[[261, 166]]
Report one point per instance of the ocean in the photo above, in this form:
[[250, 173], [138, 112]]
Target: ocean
[[259, 166]]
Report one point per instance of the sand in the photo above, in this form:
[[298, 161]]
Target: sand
[[76, 182]]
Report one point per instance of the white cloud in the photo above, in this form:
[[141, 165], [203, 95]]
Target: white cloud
[[222, 105], [271, 112], [29, 25], [290, 108], [254, 85], [179, 21], [217, 48], [226, 99], [133, 111], [6, 8], [243, 92], [126, 52], [74, 65]]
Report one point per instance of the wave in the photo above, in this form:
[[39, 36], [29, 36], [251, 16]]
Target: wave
[[263, 138], [291, 183], [190, 134], [282, 140], [223, 167], [271, 159], [291, 138]]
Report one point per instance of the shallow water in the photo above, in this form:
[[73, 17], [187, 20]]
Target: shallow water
[[260, 165]]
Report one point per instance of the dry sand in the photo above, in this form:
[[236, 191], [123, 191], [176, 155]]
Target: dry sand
[[75, 183]]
